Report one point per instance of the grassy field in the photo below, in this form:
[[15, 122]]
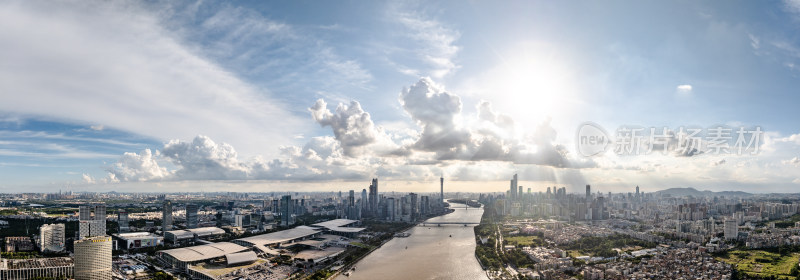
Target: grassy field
[[524, 240], [763, 264]]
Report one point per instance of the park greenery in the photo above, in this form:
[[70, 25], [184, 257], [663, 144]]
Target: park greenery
[[604, 246], [762, 264]]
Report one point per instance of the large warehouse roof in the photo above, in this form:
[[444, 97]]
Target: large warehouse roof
[[339, 225], [335, 223], [280, 236], [201, 232], [240, 258], [204, 252]]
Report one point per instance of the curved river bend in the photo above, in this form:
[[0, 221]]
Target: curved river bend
[[429, 253]]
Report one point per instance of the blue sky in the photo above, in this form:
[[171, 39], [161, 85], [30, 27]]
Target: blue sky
[[171, 95]]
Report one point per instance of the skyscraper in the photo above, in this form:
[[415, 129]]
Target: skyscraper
[[588, 192], [191, 215], [123, 221], [89, 225], [390, 209], [166, 216], [286, 210], [513, 188], [85, 212], [93, 258], [350, 207], [731, 230], [637, 191], [373, 197], [414, 208], [441, 191], [364, 200], [51, 237]]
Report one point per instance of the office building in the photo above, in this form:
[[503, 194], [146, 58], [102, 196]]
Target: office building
[[391, 209], [731, 229], [91, 225], [123, 221], [414, 210], [192, 220], [166, 216], [441, 191], [51, 238], [364, 200], [286, 210], [93, 258], [513, 189], [588, 193], [373, 197]]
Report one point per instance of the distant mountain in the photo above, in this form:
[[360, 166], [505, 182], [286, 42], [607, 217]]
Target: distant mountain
[[693, 192]]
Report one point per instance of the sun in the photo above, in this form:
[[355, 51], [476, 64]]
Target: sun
[[534, 82]]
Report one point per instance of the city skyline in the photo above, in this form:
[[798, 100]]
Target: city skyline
[[262, 97]]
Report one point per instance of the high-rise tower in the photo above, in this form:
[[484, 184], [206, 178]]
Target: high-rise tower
[[93, 258], [513, 190], [441, 191], [89, 225], [588, 192], [166, 216], [123, 221], [191, 215], [373, 197]]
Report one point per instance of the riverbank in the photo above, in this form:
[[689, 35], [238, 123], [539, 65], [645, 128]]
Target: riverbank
[[346, 267], [445, 251]]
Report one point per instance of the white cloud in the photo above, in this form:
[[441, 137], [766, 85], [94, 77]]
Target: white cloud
[[88, 179], [113, 59], [434, 43], [792, 6], [138, 167], [351, 125], [793, 161], [755, 42], [684, 88]]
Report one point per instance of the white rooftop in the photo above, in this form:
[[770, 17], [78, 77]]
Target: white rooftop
[[204, 252], [280, 236], [238, 258], [201, 232], [339, 225], [335, 223], [136, 235]]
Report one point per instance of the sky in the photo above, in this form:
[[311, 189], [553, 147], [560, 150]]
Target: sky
[[260, 96]]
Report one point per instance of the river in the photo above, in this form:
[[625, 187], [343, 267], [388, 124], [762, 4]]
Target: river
[[429, 253]]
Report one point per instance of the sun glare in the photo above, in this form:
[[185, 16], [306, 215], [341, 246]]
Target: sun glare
[[534, 84]]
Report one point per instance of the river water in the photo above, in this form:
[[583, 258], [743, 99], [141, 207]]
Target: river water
[[429, 253]]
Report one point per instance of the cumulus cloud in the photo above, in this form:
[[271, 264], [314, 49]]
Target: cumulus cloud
[[88, 178], [359, 149], [438, 113], [435, 111], [204, 159], [351, 125], [138, 167]]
